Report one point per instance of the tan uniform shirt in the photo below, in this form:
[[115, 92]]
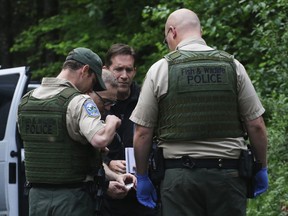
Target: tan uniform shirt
[[81, 125], [155, 86]]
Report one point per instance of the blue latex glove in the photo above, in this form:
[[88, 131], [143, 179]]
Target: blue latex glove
[[261, 182], [146, 193]]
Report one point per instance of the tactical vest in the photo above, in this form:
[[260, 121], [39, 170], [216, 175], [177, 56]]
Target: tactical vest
[[201, 101], [51, 156]]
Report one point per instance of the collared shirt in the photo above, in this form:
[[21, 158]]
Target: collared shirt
[[155, 86], [81, 124]]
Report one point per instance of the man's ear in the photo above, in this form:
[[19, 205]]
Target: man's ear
[[85, 70]]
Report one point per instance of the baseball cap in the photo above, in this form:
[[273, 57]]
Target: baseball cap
[[87, 56]]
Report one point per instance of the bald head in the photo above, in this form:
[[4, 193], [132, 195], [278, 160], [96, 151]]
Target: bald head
[[185, 23]]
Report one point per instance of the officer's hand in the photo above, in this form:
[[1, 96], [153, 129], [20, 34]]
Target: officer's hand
[[113, 118], [146, 193], [116, 190], [127, 179], [261, 182], [118, 166]]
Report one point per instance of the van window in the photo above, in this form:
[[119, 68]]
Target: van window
[[7, 88]]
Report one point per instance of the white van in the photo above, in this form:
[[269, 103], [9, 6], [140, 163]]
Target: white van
[[14, 83]]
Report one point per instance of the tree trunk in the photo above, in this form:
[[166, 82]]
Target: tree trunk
[[50, 8], [6, 36]]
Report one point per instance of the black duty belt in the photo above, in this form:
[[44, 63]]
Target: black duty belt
[[188, 162], [66, 185]]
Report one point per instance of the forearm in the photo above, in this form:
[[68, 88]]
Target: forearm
[[258, 138], [104, 136], [142, 145], [110, 175]]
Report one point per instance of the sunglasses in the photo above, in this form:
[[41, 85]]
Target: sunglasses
[[165, 37], [106, 101]]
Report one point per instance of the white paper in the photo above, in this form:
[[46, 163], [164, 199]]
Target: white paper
[[129, 186], [130, 160]]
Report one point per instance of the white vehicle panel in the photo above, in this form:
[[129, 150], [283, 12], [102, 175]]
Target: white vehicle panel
[[12, 91]]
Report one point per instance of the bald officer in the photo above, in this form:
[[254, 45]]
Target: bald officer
[[195, 100], [60, 127]]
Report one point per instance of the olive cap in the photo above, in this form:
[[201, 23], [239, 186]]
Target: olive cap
[[88, 57]]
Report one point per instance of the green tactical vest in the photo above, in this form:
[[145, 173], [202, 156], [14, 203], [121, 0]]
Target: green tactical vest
[[51, 156], [201, 101]]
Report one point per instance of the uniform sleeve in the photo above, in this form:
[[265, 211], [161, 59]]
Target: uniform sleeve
[[249, 102], [154, 87], [83, 119]]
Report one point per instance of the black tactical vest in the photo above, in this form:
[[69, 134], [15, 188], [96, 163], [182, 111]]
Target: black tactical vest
[[201, 101], [51, 156]]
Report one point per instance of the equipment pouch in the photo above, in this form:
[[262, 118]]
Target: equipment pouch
[[156, 165], [248, 167], [97, 188], [246, 164]]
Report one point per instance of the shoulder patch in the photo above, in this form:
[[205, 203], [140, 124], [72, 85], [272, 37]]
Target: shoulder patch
[[91, 108]]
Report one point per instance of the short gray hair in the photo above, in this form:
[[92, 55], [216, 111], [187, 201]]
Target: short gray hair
[[108, 78]]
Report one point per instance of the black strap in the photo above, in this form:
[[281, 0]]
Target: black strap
[[188, 162]]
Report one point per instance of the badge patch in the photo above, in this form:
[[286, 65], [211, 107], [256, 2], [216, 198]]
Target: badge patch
[[91, 108]]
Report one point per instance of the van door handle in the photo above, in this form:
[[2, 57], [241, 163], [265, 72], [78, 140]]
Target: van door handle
[[13, 154]]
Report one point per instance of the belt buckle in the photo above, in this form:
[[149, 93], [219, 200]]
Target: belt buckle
[[187, 162]]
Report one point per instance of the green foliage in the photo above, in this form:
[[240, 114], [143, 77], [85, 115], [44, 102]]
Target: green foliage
[[93, 24], [70, 31], [275, 200], [271, 45], [149, 40], [255, 32]]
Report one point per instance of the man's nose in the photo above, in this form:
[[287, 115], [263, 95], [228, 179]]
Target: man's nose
[[124, 74]]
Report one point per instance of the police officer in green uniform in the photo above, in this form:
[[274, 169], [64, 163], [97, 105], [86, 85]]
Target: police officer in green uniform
[[196, 100], [63, 136]]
